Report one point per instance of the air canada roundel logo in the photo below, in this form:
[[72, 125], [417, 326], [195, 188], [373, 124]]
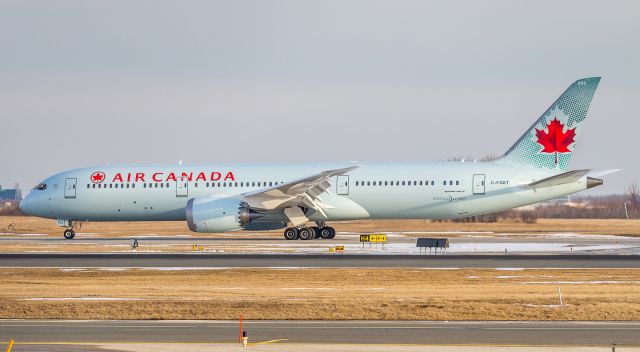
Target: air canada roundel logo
[[97, 177]]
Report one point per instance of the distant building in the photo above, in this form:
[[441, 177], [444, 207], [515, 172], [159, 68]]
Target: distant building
[[10, 196]]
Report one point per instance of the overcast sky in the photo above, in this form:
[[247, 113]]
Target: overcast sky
[[94, 82]]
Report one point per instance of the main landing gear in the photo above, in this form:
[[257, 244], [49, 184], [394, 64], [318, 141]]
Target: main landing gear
[[310, 233]]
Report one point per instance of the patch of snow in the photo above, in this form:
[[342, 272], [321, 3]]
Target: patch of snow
[[81, 299], [44, 251], [578, 282], [184, 268]]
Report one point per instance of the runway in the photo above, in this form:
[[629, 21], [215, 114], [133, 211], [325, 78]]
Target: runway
[[208, 260], [327, 332]]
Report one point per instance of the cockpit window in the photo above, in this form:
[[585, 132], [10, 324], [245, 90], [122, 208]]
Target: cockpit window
[[40, 187]]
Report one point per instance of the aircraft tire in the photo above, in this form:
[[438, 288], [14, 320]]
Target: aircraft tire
[[69, 234], [325, 233], [291, 234], [306, 234], [333, 232]]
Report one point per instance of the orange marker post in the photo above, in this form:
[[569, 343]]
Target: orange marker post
[[10, 345], [240, 335]]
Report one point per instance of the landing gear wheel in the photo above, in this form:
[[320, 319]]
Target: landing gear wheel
[[291, 234], [316, 232], [325, 233], [332, 232], [306, 233], [69, 234]]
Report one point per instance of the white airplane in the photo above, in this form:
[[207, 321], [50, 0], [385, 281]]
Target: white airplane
[[229, 197]]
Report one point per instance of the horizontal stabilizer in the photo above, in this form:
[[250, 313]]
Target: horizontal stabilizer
[[561, 179], [601, 173]]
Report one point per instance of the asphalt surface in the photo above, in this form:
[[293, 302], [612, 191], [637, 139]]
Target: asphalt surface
[[205, 260], [356, 332]]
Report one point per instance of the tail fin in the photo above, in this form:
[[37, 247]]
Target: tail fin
[[550, 141]]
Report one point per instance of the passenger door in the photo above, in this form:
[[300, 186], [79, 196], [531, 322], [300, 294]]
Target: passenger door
[[342, 185], [70, 188], [478, 183], [182, 187]]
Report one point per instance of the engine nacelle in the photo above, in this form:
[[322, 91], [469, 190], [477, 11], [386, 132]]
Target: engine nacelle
[[209, 214]]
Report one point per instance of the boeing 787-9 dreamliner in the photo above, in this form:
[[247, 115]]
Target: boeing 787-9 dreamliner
[[225, 197]]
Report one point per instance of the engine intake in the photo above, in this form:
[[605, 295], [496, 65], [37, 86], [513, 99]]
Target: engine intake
[[208, 214]]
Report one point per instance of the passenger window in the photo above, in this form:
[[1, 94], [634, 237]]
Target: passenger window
[[111, 185], [99, 185], [444, 183], [433, 182], [356, 183], [385, 183], [420, 183], [235, 184], [368, 183], [457, 183], [374, 183], [88, 185], [93, 186], [450, 183], [133, 185]]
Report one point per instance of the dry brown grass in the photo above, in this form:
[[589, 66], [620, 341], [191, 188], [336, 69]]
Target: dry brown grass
[[395, 294], [27, 225]]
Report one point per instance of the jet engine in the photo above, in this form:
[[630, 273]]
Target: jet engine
[[214, 214]]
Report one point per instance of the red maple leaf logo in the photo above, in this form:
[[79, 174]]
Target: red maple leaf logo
[[97, 177], [555, 140]]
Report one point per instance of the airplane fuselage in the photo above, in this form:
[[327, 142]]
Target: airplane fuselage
[[430, 190]]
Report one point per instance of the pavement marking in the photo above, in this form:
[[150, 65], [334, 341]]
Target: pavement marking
[[266, 342]]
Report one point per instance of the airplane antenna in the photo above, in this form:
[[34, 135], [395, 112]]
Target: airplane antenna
[[180, 162]]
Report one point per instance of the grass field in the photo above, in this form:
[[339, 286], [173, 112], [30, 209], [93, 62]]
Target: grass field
[[33, 225], [391, 294]]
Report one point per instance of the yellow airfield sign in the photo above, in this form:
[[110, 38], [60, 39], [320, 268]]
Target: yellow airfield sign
[[375, 238]]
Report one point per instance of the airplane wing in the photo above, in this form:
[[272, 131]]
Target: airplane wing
[[290, 196]]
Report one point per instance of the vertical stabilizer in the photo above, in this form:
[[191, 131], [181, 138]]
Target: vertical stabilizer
[[551, 140]]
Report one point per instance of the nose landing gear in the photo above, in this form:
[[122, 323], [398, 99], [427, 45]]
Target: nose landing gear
[[69, 234], [69, 226]]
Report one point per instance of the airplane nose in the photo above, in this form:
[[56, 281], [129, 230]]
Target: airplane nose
[[23, 206]]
